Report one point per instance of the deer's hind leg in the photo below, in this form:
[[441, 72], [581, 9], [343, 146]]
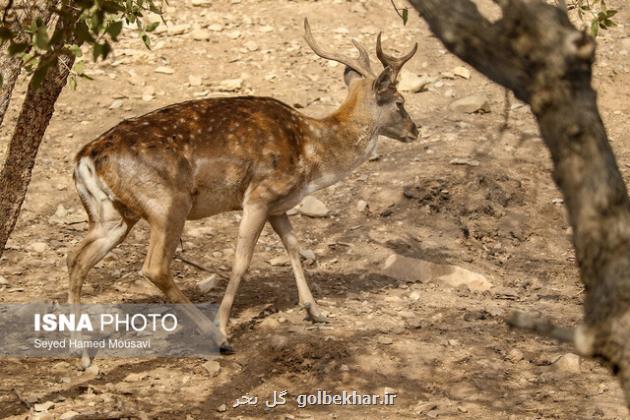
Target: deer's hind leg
[[102, 237], [109, 224]]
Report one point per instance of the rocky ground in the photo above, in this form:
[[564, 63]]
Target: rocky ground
[[417, 258]]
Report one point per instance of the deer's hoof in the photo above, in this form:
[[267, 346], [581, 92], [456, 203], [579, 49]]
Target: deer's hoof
[[86, 361], [316, 317], [226, 349]]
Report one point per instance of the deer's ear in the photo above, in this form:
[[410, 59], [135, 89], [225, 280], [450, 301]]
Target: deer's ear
[[350, 75], [385, 85]]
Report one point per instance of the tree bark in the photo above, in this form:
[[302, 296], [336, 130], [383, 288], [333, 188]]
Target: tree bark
[[37, 110], [10, 69], [11, 66], [535, 51]]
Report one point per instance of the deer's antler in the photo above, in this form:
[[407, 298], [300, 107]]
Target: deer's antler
[[361, 64]]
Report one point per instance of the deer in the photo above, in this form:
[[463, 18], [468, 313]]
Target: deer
[[199, 158]]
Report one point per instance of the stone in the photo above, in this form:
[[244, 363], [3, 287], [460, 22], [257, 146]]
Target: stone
[[383, 339], [388, 390], [464, 161], [164, 70], [230, 85], [414, 270], [313, 207], [38, 247], [43, 406], [308, 254], [208, 283], [215, 27], [148, 93], [61, 211], [362, 206], [116, 104], [201, 3], [406, 269], [415, 295], [3, 281], [194, 80], [135, 377], [222, 408], [280, 261], [410, 82], [462, 72], [269, 324], [471, 104], [251, 46], [235, 34], [568, 362], [515, 356], [212, 367], [178, 29], [201, 35], [68, 415], [457, 276]]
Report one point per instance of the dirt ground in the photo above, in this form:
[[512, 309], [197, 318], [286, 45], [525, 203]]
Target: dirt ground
[[446, 352]]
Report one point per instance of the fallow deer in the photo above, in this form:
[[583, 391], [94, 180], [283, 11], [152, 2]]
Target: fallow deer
[[194, 159]]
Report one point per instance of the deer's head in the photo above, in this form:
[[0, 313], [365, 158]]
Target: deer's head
[[377, 95]]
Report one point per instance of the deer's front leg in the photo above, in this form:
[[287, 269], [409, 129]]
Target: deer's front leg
[[282, 226], [252, 223]]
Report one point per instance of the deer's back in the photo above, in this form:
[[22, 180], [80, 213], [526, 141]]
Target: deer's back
[[212, 149]]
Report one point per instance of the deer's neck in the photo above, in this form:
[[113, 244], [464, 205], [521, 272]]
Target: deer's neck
[[351, 132], [342, 141]]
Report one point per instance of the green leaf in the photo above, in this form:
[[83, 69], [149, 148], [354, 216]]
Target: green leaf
[[114, 29], [611, 13], [83, 33], [152, 26], [405, 15], [76, 51], [101, 50], [146, 40], [112, 7], [18, 47], [72, 81], [39, 74], [594, 28], [41, 38], [5, 33], [85, 4], [79, 67]]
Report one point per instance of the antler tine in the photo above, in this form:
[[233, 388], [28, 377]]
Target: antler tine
[[395, 63], [360, 65], [363, 55]]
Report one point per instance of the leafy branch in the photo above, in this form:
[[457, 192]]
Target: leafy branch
[[403, 12], [594, 14], [98, 26]]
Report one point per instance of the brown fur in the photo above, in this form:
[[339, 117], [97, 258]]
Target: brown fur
[[198, 158]]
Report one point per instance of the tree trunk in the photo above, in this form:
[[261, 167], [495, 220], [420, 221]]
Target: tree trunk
[[37, 110], [535, 51], [10, 70], [10, 66]]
